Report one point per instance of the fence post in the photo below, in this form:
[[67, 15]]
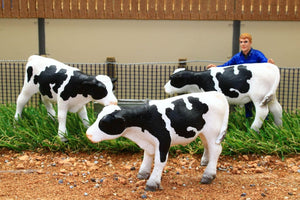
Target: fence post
[[110, 67], [42, 40], [182, 62]]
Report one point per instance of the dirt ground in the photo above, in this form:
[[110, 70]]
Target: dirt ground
[[32, 175]]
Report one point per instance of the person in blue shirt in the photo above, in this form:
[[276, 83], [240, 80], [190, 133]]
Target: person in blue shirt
[[246, 55]]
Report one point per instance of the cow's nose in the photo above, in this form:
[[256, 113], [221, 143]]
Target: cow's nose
[[90, 137], [113, 103]]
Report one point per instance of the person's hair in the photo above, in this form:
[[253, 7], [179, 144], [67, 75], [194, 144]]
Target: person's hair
[[246, 36]]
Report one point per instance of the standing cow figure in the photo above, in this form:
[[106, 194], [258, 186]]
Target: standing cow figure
[[157, 126], [67, 86], [239, 83]]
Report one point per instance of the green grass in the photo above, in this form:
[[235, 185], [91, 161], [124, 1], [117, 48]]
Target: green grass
[[37, 132]]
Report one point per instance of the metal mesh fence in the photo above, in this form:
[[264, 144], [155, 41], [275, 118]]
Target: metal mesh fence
[[137, 81]]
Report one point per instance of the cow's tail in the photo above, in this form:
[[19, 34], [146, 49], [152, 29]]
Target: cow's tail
[[223, 130], [272, 93]]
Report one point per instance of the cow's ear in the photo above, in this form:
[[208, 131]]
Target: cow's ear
[[113, 80], [112, 124]]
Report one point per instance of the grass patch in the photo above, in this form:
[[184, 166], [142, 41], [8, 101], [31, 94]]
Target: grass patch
[[36, 131]]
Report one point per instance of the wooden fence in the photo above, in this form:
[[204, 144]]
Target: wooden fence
[[277, 10]]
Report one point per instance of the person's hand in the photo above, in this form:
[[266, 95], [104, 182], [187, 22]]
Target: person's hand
[[210, 65], [271, 61]]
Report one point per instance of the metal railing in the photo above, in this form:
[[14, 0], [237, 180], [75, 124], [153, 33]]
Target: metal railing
[[138, 81]]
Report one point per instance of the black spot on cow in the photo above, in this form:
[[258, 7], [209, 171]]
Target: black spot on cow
[[203, 79], [81, 83], [50, 77], [229, 80], [29, 73], [181, 117], [147, 118]]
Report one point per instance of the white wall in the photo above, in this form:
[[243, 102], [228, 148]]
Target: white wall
[[146, 40], [18, 38]]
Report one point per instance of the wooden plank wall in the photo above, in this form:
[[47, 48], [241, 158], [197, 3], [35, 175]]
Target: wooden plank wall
[[277, 10]]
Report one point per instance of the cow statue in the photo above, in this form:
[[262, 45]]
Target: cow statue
[[239, 83], [67, 86], [160, 124]]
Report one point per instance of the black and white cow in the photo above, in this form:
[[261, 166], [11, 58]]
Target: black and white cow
[[239, 83], [157, 126], [67, 86]]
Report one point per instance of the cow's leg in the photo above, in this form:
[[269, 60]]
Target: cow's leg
[[155, 179], [62, 119], [214, 151], [83, 116], [276, 110], [49, 107], [146, 165], [205, 156], [27, 92], [261, 113]]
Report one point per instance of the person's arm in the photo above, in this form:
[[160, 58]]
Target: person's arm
[[232, 61]]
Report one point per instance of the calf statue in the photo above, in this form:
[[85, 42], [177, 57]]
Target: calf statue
[[160, 124], [239, 83], [67, 86]]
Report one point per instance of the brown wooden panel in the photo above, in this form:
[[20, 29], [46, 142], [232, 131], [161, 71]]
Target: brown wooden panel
[[6, 8], [90, 9], [195, 14], [151, 13], [238, 12], [57, 8], [256, 13], [282, 9], [298, 10], [41, 8], [108, 9], [117, 12], [142, 12], [24, 8], [221, 13], [168, 12], [15, 11], [291, 15], [49, 11], [186, 10], [74, 9], [247, 10], [159, 9], [230, 9], [272, 10], [212, 9], [204, 9], [264, 9], [134, 9], [65, 10], [176, 7], [99, 9]]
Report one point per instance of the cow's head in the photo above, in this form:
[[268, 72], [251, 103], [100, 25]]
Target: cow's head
[[109, 125], [180, 82], [105, 86]]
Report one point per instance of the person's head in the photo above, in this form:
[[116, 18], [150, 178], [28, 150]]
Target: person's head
[[245, 42]]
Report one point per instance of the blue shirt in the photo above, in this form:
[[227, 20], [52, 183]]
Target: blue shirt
[[254, 56]]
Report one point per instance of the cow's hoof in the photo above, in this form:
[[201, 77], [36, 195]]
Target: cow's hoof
[[152, 186], [63, 139], [143, 176], [207, 179]]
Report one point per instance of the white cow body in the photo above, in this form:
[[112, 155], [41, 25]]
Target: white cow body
[[239, 83], [163, 123], [67, 86]]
